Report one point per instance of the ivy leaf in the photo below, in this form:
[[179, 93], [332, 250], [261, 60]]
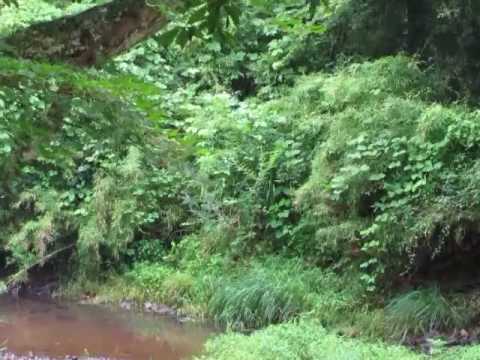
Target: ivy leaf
[[168, 37], [376, 177]]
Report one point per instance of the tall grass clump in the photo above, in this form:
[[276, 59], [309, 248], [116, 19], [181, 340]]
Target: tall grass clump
[[422, 311], [275, 291], [158, 283]]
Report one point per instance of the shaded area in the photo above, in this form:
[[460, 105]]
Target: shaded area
[[451, 256]]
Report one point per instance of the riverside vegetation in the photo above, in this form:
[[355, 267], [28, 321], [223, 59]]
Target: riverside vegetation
[[284, 178]]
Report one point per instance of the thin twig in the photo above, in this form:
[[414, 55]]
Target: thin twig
[[42, 260]]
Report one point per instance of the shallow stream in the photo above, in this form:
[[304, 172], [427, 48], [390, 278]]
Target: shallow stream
[[57, 330]]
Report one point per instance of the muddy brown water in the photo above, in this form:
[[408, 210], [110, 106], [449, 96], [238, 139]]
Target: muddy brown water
[[51, 329]]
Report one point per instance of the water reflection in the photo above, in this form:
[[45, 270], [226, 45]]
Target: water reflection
[[47, 328]]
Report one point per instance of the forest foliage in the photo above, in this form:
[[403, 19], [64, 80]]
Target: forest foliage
[[249, 174]]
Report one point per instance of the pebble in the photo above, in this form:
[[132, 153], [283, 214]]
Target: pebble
[[159, 309]]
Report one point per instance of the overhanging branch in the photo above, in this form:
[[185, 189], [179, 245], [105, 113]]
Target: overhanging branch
[[90, 37]]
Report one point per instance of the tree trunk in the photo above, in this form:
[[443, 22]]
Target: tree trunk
[[90, 37]]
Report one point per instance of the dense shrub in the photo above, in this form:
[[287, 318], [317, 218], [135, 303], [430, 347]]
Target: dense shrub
[[343, 167], [394, 172], [302, 340], [80, 165], [249, 158], [307, 339]]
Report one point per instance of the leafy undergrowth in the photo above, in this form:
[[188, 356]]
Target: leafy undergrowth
[[295, 341], [244, 296], [362, 170], [81, 164], [307, 339], [250, 186], [29, 12]]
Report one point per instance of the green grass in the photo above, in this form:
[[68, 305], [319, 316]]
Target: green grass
[[262, 295], [299, 341], [276, 290], [421, 311], [145, 282], [308, 340], [467, 353], [248, 295]]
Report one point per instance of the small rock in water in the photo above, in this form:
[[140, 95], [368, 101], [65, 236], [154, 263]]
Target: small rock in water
[[159, 309], [427, 346], [148, 306], [3, 288], [126, 305], [185, 319]]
